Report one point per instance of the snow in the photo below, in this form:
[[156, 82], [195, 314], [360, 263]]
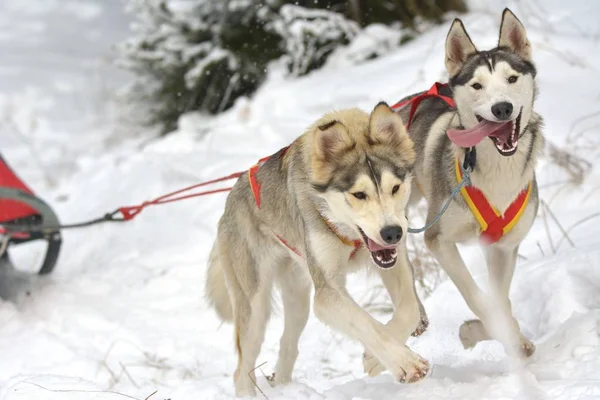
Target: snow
[[123, 313]]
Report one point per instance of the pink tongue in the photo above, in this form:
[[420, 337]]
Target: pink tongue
[[375, 247], [471, 137]]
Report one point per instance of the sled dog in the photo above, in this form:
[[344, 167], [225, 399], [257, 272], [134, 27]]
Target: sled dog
[[494, 128], [331, 202]]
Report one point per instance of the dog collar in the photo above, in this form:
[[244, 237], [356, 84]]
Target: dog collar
[[354, 243], [493, 224]]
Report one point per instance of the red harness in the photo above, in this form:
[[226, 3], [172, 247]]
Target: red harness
[[493, 224], [434, 91], [255, 187]]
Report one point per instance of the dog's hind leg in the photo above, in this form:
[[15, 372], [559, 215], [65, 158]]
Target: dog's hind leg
[[250, 285], [399, 282], [295, 295], [501, 263]]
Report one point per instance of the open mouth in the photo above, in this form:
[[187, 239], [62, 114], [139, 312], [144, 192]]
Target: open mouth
[[383, 256], [505, 135]]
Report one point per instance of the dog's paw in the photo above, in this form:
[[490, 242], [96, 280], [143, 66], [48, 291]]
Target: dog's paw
[[278, 379], [422, 327], [411, 369], [526, 347], [271, 379], [473, 331]]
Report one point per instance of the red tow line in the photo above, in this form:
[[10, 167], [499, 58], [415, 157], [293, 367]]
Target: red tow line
[[131, 211], [19, 230]]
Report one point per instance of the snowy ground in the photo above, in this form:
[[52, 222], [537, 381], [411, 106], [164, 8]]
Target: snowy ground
[[123, 315]]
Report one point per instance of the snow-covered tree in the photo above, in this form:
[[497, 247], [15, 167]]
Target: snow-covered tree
[[195, 55], [311, 35]]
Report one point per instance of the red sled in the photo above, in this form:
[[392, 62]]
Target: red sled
[[20, 206]]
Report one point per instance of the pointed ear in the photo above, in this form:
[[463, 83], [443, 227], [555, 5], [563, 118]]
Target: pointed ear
[[386, 127], [331, 139], [458, 47], [513, 35]]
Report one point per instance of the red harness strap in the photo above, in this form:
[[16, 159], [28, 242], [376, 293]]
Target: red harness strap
[[434, 91], [493, 224], [254, 183], [255, 187]]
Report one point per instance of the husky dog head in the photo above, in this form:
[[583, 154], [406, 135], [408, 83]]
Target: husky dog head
[[361, 168], [494, 90]]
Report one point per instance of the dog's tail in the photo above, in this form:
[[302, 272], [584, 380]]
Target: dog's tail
[[216, 291]]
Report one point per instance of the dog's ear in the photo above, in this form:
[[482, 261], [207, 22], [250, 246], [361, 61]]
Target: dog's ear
[[513, 35], [386, 127], [458, 47], [332, 138]]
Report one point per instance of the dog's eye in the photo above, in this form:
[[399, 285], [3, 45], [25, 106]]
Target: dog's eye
[[395, 189], [477, 86], [512, 79], [360, 195]]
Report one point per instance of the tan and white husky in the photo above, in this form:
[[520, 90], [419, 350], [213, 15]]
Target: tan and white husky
[[332, 202]]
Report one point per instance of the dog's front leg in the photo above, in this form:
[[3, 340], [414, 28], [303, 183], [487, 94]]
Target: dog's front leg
[[495, 321], [399, 282], [334, 307], [501, 261]]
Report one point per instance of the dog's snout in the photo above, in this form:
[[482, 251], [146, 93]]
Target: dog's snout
[[502, 110], [391, 234]]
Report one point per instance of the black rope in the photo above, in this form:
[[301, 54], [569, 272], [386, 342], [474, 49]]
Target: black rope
[[26, 228]]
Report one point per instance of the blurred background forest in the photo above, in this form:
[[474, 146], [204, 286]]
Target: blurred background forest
[[201, 55]]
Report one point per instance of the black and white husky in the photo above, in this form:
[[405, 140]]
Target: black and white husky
[[494, 126]]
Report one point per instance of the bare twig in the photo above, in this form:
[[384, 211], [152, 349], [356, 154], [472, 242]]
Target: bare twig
[[562, 229], [124, 370], [113, 377], [541, 250], [566, 56], [579, 121], [82, 391], [576, 224], [151, 394], [254, 380], [575, 166], [35, 156], [547, 228]]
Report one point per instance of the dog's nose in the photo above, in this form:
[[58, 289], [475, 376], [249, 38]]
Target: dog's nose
[[391, 234], [502, 110]]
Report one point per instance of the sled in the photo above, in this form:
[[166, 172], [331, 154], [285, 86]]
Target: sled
[[20, 206]]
